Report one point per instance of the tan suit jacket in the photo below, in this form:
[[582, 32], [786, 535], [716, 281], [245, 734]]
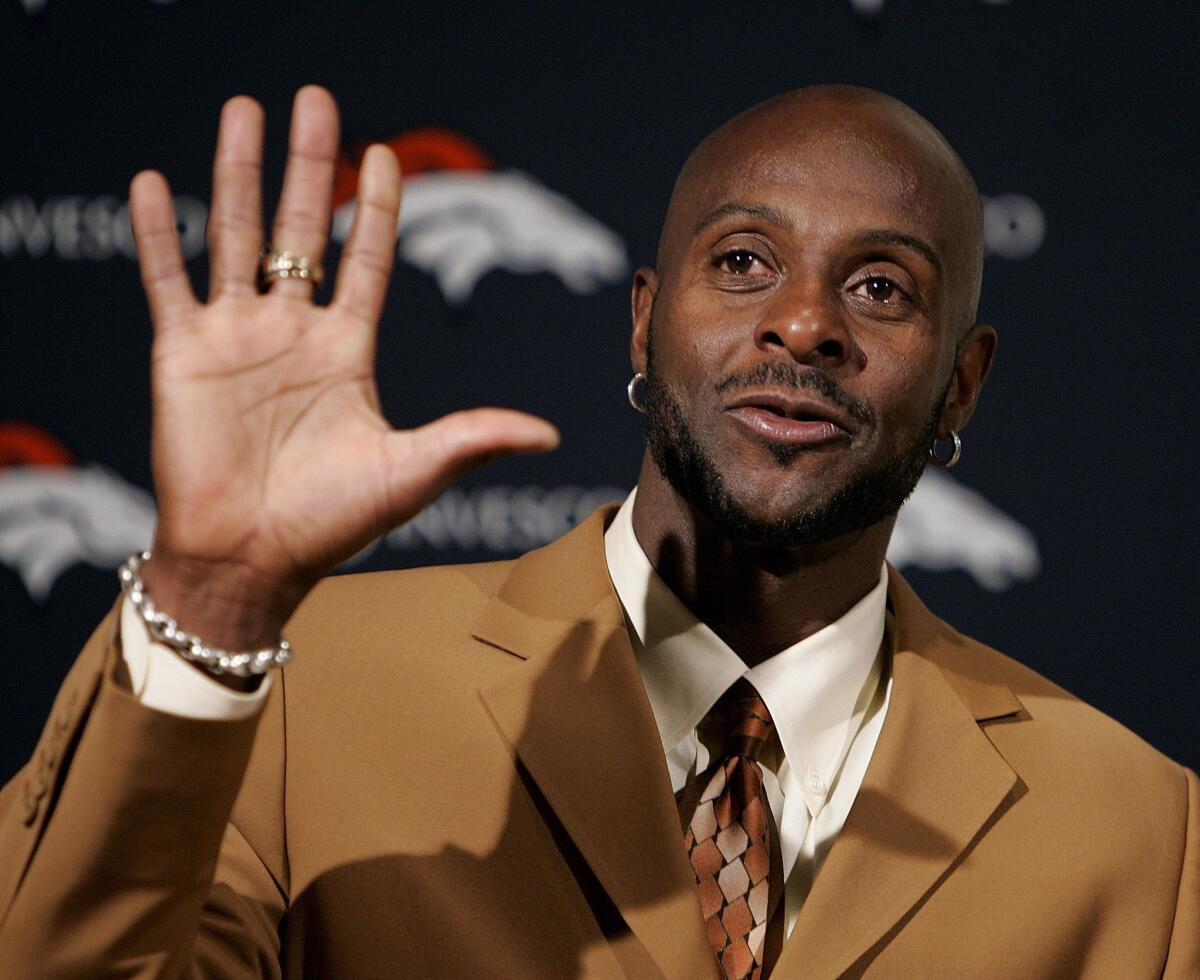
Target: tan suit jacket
[[460, 776]]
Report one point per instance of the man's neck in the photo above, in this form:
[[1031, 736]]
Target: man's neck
[[759, 599]]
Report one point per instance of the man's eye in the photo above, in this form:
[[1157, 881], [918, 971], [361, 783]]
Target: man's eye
[[738, 262], [880, 289]]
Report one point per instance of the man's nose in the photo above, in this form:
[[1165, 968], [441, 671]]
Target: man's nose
[[806, 320]]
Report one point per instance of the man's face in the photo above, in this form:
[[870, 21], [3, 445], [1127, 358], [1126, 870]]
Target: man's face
[[802, 338]]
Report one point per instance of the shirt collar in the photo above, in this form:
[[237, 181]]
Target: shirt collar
[[816, 689]]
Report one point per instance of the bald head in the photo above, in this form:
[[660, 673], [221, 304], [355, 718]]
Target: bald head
[[875, 144]]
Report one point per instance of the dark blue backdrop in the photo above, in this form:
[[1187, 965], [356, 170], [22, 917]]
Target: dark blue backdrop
[[1076, 119]]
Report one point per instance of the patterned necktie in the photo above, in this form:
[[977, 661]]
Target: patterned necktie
[[733, 844]]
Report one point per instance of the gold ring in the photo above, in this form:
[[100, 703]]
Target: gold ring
[[287, 265]]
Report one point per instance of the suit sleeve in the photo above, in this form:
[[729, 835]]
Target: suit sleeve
[[121, 850], [1183, 960]]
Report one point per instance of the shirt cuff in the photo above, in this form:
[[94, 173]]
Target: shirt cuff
[[163, 680]]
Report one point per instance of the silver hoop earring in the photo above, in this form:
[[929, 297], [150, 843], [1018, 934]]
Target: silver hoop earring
[[633, 391], [952, 458]]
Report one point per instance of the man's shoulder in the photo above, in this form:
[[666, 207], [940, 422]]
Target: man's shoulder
[[410, 599], [478, 579], [1053, 734], [391, 637]]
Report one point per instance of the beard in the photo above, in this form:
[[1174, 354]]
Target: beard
[[868, 498]]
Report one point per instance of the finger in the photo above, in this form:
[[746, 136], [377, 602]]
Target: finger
[[427, 459], [302, 221], [366, 262], [235, 224], [164, 276]]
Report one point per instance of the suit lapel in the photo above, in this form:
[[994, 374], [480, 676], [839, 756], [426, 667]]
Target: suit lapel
[[934, 787], [576, 715]]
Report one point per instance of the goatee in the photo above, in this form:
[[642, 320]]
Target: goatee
[[870, 497]]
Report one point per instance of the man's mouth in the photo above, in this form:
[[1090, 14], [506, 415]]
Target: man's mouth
[[792, 416]]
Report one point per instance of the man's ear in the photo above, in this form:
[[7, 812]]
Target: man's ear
[[645, 287], [976, 352]]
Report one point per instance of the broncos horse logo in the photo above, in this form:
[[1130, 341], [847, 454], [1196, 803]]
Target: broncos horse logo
[[54, 514], [462, 218]]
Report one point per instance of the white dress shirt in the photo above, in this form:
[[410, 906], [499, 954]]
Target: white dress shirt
[[827, 695]]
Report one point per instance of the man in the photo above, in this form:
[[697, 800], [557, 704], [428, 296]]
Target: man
[[710, 734]]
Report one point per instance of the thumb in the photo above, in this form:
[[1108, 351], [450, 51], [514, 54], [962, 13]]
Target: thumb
[[425, 460]]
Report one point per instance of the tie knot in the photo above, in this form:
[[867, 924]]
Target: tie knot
[[748, 720]]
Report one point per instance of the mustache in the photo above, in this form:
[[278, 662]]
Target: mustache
[[785, 375]]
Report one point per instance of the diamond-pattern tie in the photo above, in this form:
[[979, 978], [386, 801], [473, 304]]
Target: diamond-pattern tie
[[733, 844]]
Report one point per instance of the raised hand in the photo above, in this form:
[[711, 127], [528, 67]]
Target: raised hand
[[271, 459]]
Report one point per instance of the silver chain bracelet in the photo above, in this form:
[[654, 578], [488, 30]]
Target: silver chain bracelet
[[165, 630]]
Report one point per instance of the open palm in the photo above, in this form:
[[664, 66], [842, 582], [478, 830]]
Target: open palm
[[272, 461]]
